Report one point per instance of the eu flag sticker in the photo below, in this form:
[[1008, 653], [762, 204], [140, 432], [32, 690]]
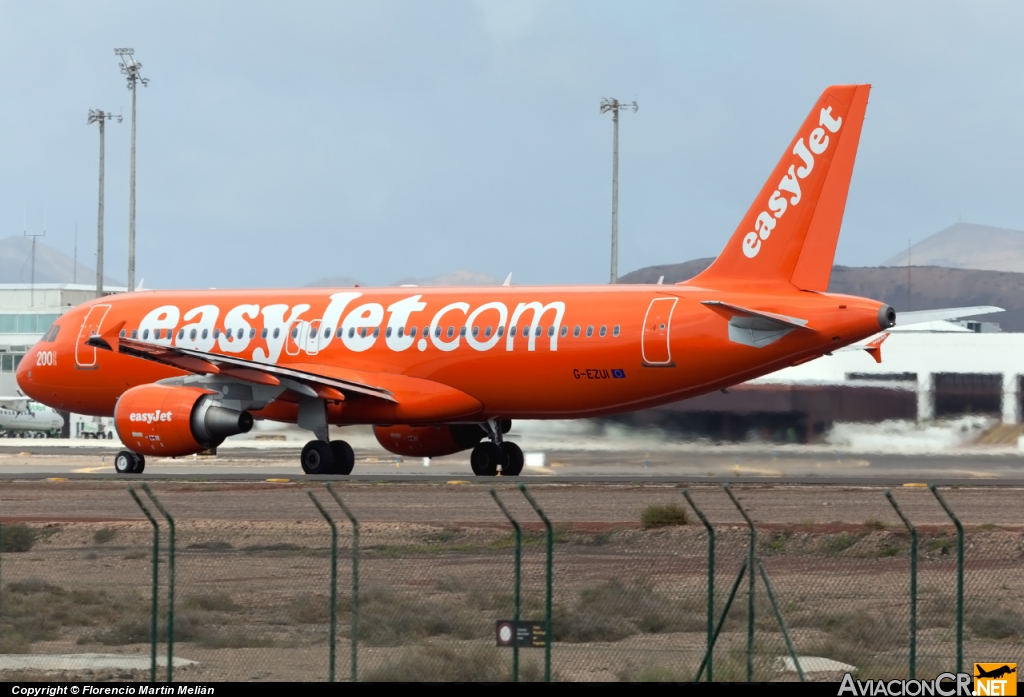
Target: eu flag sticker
[[616, 373]]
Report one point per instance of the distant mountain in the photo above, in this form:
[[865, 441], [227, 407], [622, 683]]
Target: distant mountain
[[52, 265], [931, 287], [968, 246], [335, 282], [455, 278]]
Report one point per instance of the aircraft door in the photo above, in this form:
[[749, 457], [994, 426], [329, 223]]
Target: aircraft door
[[295, 337], [85, 355], [654, 345], [313, 337]]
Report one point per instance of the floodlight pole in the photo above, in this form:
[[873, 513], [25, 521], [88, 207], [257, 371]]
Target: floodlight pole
[[100, 117], [130, 68], [614, 106]]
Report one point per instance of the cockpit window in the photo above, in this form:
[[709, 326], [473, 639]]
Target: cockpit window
[[52, 334]]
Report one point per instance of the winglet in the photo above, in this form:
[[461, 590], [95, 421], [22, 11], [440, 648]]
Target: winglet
[[109, 340], [874, 347], [508, 279]]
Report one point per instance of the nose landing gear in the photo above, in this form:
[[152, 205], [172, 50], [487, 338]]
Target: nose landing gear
[[488, 457]]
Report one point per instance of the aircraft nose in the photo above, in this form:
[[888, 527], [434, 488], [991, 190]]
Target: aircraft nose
[[24, 372]]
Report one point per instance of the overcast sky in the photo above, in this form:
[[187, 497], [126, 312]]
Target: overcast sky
[[281, 142]]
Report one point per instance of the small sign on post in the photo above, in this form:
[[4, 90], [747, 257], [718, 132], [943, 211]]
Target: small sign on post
[[521, 633]]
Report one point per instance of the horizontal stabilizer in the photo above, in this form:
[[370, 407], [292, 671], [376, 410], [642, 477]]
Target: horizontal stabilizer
[[904, 319], [755, 328]]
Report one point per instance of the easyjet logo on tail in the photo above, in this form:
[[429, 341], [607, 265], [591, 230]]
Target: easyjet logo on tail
[[788, 192]]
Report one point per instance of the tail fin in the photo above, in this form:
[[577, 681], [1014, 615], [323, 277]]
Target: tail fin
[[789, 234]]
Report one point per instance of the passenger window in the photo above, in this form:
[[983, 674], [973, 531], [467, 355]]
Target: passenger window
[[512, 331], [590, 330], [476, 331], [192, 335], [401, 332], [615, 331], [181, 334], [312, 332], [437, 331], [351, 332], [156, 333], [376, 332], [451, 332], [487, 333], [362, 332], [135, 333], [537, 330], [206, 333], [387, 334], [604, 330], [340, 333], [551, 330], [462, 332], [252, 333], [216, 333], [277, 332], [123, 334], [501, 330], [565, 329], [145, 335], [263, 333], [295, 332], [412, 332], [576, 331]]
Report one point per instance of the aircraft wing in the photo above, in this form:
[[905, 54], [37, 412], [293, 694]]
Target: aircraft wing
[[14, 403], [904, 319], [332, 386]]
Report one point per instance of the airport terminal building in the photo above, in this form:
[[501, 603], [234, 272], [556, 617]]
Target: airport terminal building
[[27, 311]]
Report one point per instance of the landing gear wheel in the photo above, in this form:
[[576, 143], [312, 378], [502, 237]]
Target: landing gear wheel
[[514, 459], [128, 462], [317, 458], [344, 458], [485, 459]]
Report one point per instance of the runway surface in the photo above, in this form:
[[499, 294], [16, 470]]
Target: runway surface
[[259, 460]]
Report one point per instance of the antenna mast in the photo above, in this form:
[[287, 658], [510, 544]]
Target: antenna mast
[[32, 292], [614, 106]]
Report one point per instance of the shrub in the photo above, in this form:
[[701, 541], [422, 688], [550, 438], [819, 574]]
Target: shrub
[[15, 537], [663, 515], [443, 664], [104, 535]]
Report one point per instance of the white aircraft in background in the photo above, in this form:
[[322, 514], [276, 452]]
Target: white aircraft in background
[[20, 416]]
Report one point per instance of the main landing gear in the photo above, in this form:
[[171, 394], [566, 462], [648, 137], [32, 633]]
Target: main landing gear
[[322, 456], [128, 462], [328, 457], [496, 454]]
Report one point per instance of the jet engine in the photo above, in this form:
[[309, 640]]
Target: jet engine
[[173, 421], [428, 441]]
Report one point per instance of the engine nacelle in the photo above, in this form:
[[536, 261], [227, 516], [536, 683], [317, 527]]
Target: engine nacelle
[[428, 441], [174, 421]]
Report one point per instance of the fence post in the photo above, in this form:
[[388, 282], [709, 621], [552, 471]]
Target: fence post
[[334, 584], [751, 578], [170, 579], [959, 578], [156, 570], [721, 619], [517, 579], [354, 642], [549, 576], [711, 582], [781, 621], [913, 583]]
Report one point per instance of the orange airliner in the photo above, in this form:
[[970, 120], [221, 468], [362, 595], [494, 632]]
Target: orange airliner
[[441, 370]]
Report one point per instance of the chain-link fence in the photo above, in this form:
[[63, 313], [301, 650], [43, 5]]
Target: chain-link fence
[[835, 582]]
